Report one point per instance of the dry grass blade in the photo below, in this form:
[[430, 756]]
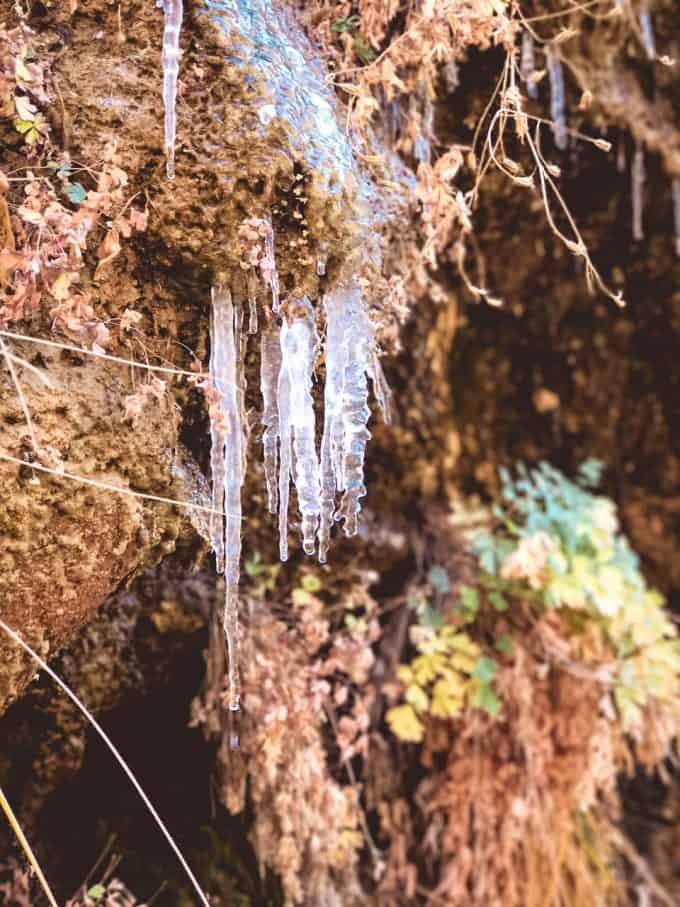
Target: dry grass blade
[[107, 486], [41, 341], [26, 847], [9, 359], [111, 746]]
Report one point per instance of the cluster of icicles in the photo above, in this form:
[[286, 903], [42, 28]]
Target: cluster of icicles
[[328, 485], [560, 129]]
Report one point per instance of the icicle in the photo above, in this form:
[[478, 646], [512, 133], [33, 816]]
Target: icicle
[[296, 421], [528, 64], [322, 259], [241, 385], [358, 335], [252, 314], [270, 274], [270, 366], [251, 284], [173, 13], [676, 212], [217, 444], [637, 188], [647, 30], [621, 156], [229, 448], [556, 77], [285, 458], [331, 443]]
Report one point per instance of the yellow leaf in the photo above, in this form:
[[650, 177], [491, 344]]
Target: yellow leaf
[[416, 697], [405, 724], [404, 673], [448, 697]]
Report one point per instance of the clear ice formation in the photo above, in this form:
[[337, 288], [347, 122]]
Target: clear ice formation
[[297, 423], [349, 361], [270, 366], [647, 29], [272, 275], [173, 13], [527, 64], [355, 411], [287, 356], [637, 173], [294, 101], [331, 442], [227, 462], [556, 78]]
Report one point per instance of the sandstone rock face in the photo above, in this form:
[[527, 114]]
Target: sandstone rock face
[[64, 545]]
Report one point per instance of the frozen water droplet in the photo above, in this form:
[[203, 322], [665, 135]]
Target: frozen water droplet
[[266, 114]]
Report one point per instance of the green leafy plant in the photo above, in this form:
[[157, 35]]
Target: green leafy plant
[[558, 545], [346, 23], [263, 575], [448, 674]]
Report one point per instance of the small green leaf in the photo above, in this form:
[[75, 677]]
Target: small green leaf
[[432, 618], [253, 565], [439, 578], [486, 698], [498, 601], [485, 669], [76, 192], [469, 602], [310, 583], [96, 892], [345, 23], [363, 49], [504, 643], [414, 602]]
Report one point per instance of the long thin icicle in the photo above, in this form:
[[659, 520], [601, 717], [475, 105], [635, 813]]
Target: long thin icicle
[[647, 29], [270, 366], [227, 430], [285, 459], [268, 268], [355, 410], [527, 64], [218, 441], [173, 12], [296, 418], [331, 443], [637, 173], [556, 78]]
